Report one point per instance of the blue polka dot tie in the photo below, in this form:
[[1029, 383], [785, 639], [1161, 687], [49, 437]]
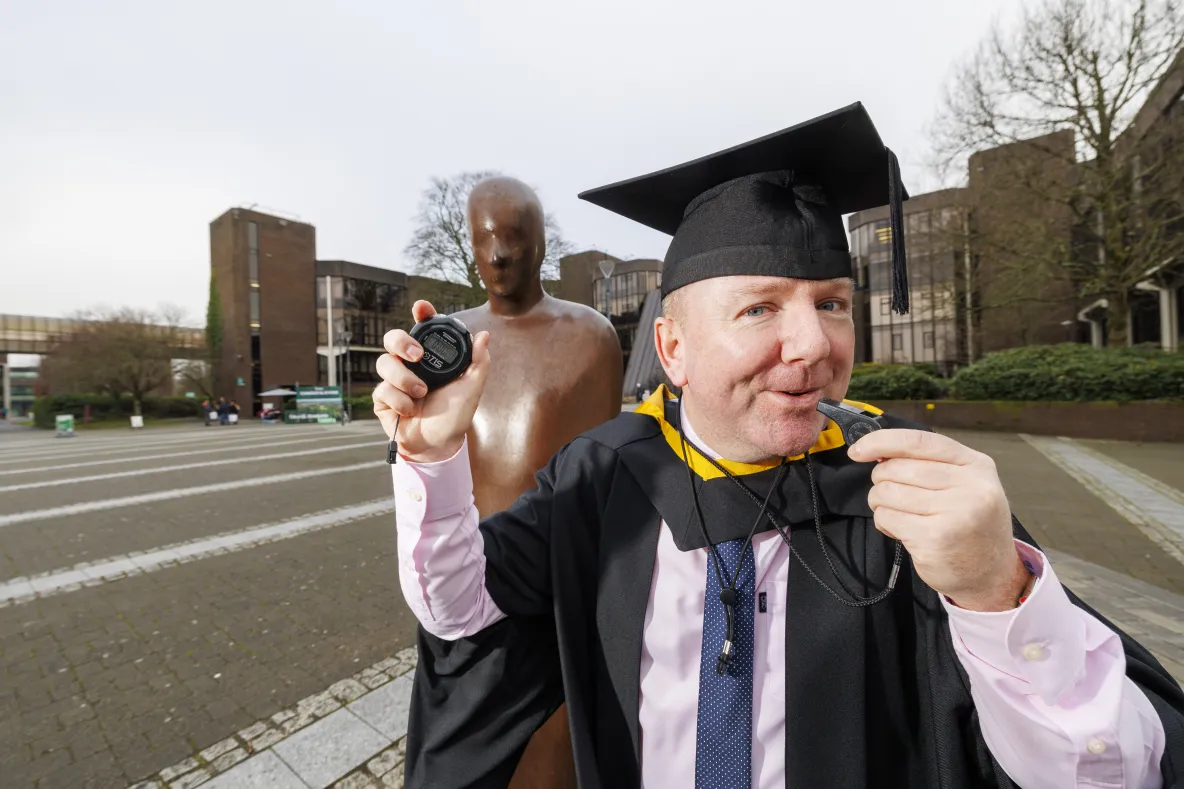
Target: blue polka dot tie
[[723, 739]]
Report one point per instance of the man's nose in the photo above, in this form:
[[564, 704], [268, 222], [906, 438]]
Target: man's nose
[[803, 338]]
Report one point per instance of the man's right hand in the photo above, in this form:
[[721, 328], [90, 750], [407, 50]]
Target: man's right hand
[[431, 427]]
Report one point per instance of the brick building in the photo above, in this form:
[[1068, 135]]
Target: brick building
[[289, 319]]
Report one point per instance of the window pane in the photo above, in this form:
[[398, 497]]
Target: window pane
[[253, 236], [253, 265], [254, 306], [897, 342]]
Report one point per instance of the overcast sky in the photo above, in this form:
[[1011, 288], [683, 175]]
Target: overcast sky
[[126, 127]]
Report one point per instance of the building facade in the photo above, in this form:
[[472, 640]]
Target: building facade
[[264, 271], [935, 232], [620, 298]]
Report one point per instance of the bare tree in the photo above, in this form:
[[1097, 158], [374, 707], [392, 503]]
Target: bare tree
[[441, 248], [1093, 212], [119, 352]]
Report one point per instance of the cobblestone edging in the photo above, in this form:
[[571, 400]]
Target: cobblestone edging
[[382, 769], [17, 591]]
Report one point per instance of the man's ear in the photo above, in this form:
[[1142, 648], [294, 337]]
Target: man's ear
[[671, 347]]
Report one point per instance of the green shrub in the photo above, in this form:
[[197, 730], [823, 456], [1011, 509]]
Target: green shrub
[[363, 407], [1072, 372], [104, 408], [894, 382]]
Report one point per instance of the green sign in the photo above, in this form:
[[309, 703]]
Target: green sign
[[190, 395], [316, 404], [239, 382], [64, 424]]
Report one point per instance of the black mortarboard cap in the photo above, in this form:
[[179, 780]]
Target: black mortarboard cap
[[772, 206]]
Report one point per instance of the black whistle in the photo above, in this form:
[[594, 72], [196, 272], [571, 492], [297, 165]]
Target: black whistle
[[854, 422]]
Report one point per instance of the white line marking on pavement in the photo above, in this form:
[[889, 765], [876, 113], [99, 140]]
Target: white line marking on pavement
[[22, 590], [178, 493], [1155, 509], [71, 448], [187, 453], [184, 467], [315, 738]]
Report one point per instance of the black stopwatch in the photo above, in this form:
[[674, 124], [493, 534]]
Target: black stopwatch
[[447, 350], [447, 353], [854, 422]]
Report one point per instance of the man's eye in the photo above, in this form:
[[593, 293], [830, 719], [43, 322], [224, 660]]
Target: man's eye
[[753, 312], [831, 306]]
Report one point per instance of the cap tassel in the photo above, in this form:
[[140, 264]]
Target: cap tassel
[[900, 277]]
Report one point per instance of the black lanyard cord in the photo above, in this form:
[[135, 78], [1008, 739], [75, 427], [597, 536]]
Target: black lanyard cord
[[727, 591], [858, 602]]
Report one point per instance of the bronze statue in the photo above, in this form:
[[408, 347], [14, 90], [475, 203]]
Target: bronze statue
[[558, 373]]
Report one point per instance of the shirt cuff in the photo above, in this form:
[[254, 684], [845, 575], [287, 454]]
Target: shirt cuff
[[431, 491], [1042, 641]]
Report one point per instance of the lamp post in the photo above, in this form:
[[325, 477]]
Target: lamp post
[[606, 268], [349, 410]]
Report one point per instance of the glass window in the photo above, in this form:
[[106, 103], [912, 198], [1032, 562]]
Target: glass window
[[898, 342], [927, 340], [253, 236], [885, 305], [253, 266], [254, 307]]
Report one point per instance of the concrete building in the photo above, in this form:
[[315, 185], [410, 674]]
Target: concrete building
[[613, 287], [289, 319], [934, 238]]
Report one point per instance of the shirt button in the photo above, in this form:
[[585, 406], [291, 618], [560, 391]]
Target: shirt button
[[1033, 652], [1096, 746], [415, 495]]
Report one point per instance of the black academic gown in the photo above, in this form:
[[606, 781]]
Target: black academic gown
[[875, 697]]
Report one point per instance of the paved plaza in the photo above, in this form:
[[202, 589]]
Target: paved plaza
[[220, 606]]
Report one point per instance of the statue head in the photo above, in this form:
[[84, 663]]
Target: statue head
[[508, 236]]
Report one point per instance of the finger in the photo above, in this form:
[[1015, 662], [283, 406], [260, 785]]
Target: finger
[[422, 310], [918, 444], [906, 498], [927, 474], [400, 343], [896, 524], [395, 373], [388, 396]]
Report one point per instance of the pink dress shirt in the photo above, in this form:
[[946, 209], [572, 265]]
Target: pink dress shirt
[[1047, 678]]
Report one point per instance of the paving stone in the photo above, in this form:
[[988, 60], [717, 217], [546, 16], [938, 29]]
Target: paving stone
[[262, 771], [253, 731], [356, 781], [266, 740], [330, 748], [347, 690], [386, 761], [394, 778], [386, 709], [170, 773], [219, 748], [228, 760], [151, 783], [190, 780]]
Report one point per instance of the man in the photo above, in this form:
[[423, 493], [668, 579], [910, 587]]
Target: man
[[534, 402], [920, 640]]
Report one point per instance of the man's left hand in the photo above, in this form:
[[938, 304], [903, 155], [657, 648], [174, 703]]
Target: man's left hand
[[945, 503]]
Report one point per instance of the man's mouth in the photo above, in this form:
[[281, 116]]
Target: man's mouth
[[801, 397]]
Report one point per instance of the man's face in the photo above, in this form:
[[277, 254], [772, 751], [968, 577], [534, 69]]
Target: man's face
[[508, 244], [755, 355]]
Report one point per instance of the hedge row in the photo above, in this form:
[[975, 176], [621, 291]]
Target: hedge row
[[1072, 373], [1046, 373], [104, 408]]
